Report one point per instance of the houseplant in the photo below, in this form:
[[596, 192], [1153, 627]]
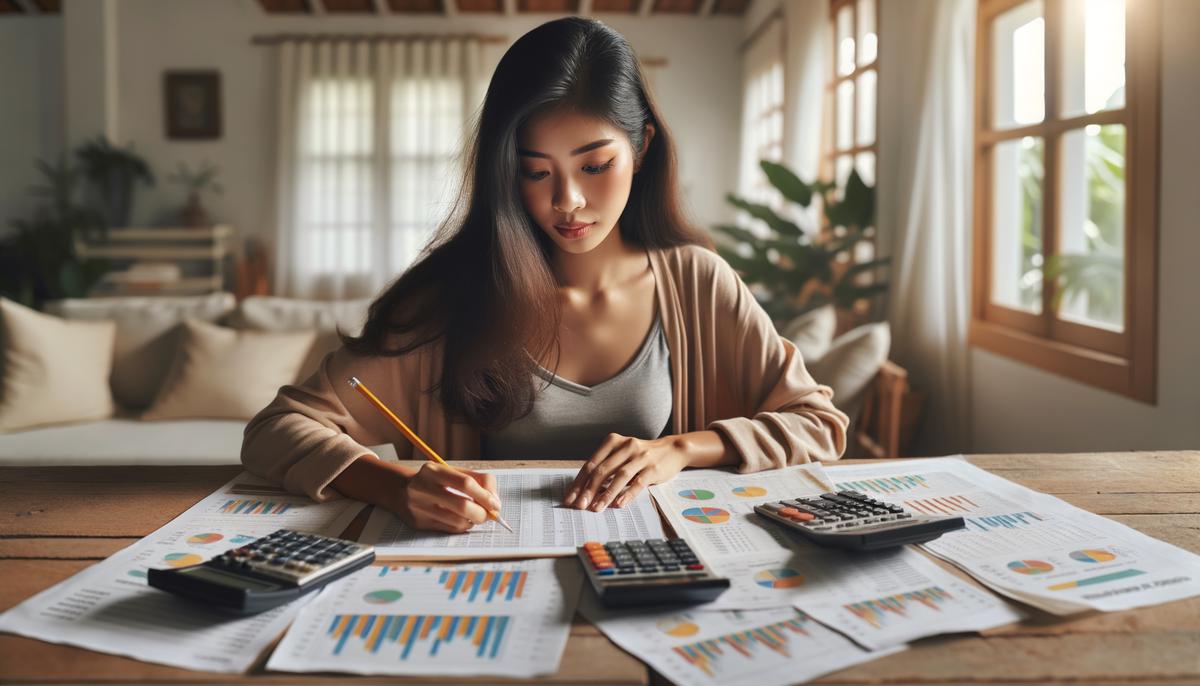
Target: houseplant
[[38, 260], [195, 182], [793, 270], [112, 172]]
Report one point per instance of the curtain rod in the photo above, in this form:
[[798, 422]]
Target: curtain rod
[[276, 38]]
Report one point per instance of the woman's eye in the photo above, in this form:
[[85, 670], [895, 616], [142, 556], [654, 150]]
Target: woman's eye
[[599, 169], [592, 169], [535, 176]]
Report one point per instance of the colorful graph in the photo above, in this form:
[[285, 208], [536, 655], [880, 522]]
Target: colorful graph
[[706, 515], [696, 494], [779, 578], [242, 538], [750, 491], [137, 573], [1089, 555], [950, 504], [383, 596], [891, 484], [1030, 567], [204, 539], [182, 559], [679, 626], [879, 611], [242, 506], [468, 586], [1103, 578], [484, 633], [708, 654], [1014, 520]]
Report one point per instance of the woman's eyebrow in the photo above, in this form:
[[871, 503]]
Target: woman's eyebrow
[[577, 151]]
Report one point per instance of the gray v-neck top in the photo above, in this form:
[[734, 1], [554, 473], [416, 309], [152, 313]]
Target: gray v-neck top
[[569, 421]]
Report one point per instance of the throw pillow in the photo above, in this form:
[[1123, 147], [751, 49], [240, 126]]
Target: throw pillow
[[222, 373], [51, 370], [812, 332], [147, 335], [265, 313], [852, 362]]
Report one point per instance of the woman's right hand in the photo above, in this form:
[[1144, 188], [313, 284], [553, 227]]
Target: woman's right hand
[[425, 503]]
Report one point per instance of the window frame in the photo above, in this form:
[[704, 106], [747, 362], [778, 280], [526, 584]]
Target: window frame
[[830, 151], [1122, 362]]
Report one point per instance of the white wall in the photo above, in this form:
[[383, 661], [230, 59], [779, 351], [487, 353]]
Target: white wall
[[1019, 408], [698, 92], [31, 107]]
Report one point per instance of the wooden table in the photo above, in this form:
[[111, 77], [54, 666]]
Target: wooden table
[[58, 520]]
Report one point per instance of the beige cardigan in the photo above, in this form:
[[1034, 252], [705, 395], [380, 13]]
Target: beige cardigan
[[732, 373]]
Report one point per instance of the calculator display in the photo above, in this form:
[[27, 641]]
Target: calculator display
[[216, 576]]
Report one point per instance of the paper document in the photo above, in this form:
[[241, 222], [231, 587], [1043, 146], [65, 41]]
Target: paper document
[[496, 619], [1029, 545], [108, 607], [531, 503], [769, 566], [728, 648]]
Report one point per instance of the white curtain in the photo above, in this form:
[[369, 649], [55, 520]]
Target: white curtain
[[925, 208], [369, 149]]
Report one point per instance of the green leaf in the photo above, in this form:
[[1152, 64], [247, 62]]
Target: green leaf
[[766, 214], [789, 185]]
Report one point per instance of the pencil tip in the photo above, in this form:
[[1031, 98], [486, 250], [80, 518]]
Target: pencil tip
[[354, 382], [504, 524]]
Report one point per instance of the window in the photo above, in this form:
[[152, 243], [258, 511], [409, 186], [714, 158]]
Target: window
[[763, 112], [1065, 179]]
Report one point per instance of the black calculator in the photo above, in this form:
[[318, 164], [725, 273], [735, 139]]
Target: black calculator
[[655, 572], [856, 521], [265, 573]]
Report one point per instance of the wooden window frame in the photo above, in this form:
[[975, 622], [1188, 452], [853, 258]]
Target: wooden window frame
[[761, 183], [830, 150], [1122, 362]]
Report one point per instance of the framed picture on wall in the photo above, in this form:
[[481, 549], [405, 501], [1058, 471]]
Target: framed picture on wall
[[192, 101]]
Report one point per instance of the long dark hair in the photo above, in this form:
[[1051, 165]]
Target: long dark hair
[[484, 285]]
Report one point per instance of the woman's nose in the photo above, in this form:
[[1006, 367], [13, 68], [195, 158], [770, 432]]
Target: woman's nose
[[567, 197]]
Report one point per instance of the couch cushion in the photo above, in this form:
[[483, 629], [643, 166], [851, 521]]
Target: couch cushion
[[852, 363], [52, 370], [126, 442], [147, 335], [264, 313], [222, 373], [812, 332]]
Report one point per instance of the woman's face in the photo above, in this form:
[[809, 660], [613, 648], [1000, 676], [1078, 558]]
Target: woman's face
[[575, 175]]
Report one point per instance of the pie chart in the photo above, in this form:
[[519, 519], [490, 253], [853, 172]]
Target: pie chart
[[679, 627], [750, 491], [778, 578], [1093, 556], [1030, 566], [383, 596], [182, 559], [696, 494], [203, 539], [137, 573], [706, 515]]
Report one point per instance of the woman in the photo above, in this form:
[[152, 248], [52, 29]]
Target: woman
[[568, 310]]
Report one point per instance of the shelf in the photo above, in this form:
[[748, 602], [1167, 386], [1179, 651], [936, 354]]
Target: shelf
[[207, 234], [139, 252], [196, 285]]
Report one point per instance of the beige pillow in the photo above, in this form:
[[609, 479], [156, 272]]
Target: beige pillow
[[52, 371], [147, 335], [852, 363], [222, 373], [812, 332], [268, 313]]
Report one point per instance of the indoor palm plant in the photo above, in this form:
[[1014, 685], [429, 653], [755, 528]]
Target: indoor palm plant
[[792, 269], [112, 172]]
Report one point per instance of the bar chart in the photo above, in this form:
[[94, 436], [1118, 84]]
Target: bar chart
[[711, 655], [879, 612], [445, 636], [458, 585], [243, 506]]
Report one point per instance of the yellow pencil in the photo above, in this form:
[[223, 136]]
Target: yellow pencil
[[412, 436]]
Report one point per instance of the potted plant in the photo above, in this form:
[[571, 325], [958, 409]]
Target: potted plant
[[38, 260], [793, 270], [195, 182], [113, 171]]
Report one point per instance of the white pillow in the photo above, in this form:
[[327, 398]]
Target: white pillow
[[852, 362], [266, 313], [812, 332], [147, 335], [222, 373], [52, 371]]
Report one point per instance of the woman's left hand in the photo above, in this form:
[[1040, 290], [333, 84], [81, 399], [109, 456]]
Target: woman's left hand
[[621, 468]]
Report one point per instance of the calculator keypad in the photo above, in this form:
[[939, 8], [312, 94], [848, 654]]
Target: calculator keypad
[[842, 510], [290, 556], [642, 559]]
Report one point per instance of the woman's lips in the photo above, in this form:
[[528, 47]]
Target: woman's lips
[[577, 230]]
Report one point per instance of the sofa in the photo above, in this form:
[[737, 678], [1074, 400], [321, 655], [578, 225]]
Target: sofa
[[173, 380]]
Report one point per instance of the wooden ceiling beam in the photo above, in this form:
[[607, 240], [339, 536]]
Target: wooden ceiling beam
[[645, 8], [585, 8]]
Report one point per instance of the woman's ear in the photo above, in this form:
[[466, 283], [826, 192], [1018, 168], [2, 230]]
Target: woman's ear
[[650, 130]]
